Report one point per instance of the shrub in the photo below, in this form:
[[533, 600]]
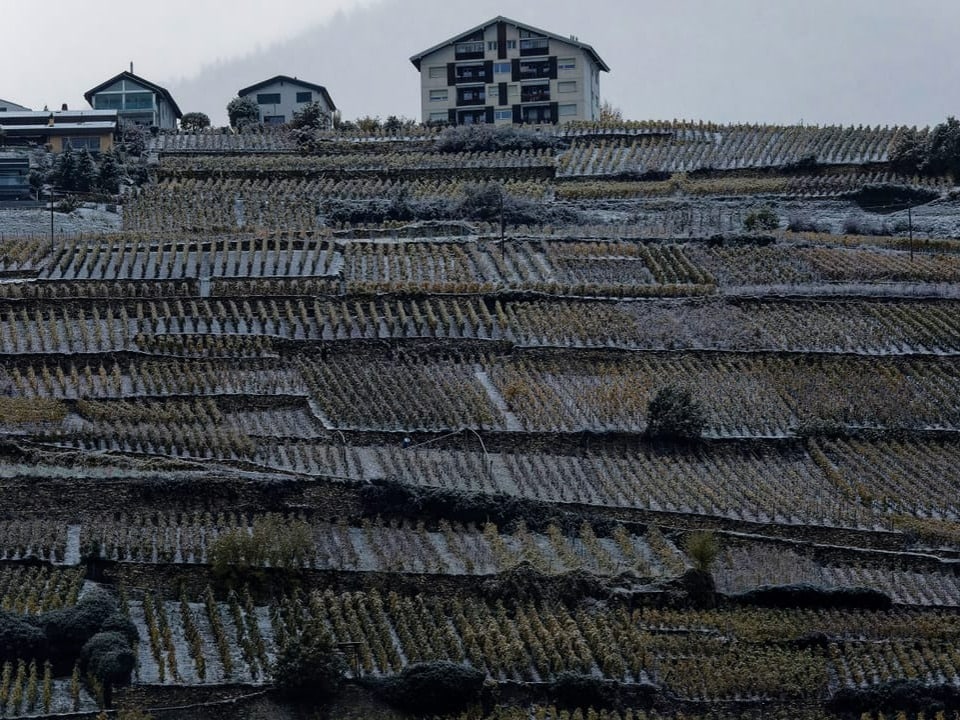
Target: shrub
[[243, 111], [433, 688], [490, 138], [763, 220], [799, 222], [309, 667], [674, 414], [575, 690], [68, 629], [703, 548], [120, 623], [311, 117], [859, 225], [805, 595], [195, 121], [109, 657], [894, 696], [20, 638]]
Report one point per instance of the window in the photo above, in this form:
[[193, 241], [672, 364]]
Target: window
[[471, 96], [437, 72], [439, 116], [513, 90], [438, 96], [567, 87], [108, 102], [503, 115], [467, 50], [566, 64], [91, 144], [502, 68], [268, 99], [492, 45], [566, 110], [511, 44], [274, 119], [138, 101], [304, 97], [475, 72]]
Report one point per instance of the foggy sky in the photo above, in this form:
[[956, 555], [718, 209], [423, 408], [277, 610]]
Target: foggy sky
[[785, 61]]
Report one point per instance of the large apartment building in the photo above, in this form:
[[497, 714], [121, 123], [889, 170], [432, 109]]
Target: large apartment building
[[505, 72]]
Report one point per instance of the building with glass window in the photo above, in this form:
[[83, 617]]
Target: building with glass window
[[280, 97], [505, 72], [136, 100], [91, 130], [7, 106]]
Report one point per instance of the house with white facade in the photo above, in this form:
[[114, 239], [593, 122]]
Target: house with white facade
[[503, 71], [136, 100], [281, 96]]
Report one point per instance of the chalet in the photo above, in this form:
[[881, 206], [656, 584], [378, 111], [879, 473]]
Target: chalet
[[281, 96], [136, 100]]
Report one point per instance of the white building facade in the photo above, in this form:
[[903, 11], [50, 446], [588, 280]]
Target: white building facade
[[505, 72], [280, 97]]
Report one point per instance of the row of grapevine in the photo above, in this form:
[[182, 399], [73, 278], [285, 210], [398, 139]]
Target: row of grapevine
[[391, 546], [246, 328]]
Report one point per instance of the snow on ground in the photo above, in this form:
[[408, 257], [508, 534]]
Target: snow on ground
[[36, 221]]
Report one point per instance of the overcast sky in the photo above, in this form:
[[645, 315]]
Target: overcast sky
[[820, 61]]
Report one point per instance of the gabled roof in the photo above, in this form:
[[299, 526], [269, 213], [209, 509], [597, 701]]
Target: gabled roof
[[139, 80], [500, 18], [13, 105], [293, 81]]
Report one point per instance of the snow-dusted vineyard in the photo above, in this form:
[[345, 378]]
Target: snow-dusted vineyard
[[311, 389]]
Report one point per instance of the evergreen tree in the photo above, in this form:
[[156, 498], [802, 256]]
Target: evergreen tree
[[86, 176], [65, 169], [108, 179]]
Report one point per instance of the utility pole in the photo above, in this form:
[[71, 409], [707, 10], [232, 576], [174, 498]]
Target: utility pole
[[910, 226]]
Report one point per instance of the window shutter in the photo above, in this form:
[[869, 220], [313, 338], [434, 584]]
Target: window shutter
[[488, 71], [451, 73], [502, 100], [553, 68], [554, 113], [501, 40], [517, 115], [515, 64], [452, 116]]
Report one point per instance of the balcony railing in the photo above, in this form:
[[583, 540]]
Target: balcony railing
[[534, 71], [539, 93], [472, 75], [472, 98], [469, 51], [534, 46]]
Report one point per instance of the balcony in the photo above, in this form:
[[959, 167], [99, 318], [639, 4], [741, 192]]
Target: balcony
[[471, 117], [472, 74], [534, 93], [534, 46], [471, 96], [469, 50], [535, 70], [537, 114]]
